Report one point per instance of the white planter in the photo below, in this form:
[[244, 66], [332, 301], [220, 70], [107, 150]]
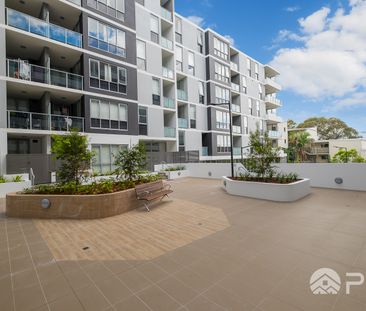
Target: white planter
[[9, 187], [268, 191], [176, 174]]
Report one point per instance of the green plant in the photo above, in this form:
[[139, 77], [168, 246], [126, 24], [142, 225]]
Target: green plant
[[262, 156], [348, 156], [72, 150], [175, 168], [17, 179], [130, 162], [2, 180]]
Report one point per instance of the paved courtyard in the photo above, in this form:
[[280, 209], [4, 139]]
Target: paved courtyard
[[201, 250]]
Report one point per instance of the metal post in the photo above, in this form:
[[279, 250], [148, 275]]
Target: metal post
[[231, 141]]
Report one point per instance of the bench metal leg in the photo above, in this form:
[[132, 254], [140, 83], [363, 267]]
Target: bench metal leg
[[147, 206]]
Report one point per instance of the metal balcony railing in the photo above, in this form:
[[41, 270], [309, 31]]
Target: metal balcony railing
[[24, 71], [42, 121], [236, 129], [235, 87], [169, 103], [39, 27], [273, 100], [235, 108], [169, 132], [274, 134]]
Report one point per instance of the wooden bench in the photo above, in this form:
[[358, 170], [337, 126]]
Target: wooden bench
[[152, 191]]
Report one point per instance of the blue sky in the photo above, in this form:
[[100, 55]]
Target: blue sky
[[319, 47]]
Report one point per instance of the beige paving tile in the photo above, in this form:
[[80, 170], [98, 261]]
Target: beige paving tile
[[152, 271], [56, 288], [134, 280], [157, 299], [113, 289], [24, 278], [78, 279], [201, 303], [69, 303], [131, 303], [91, 298], [28, 298], [178, 290]]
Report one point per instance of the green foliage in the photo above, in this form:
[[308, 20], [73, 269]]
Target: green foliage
[[330, 128], [271, 178], [297, 143], [72, 150], [291, 124], [17, 179], [2, 180], [131, 162], [262, 156], [175, 168], [348, 156], [100, 187]]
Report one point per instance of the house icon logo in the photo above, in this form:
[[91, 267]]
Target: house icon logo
[[325, 281]]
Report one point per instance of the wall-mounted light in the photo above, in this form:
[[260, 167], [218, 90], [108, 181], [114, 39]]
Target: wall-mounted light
[[45, 203], [338, 180]]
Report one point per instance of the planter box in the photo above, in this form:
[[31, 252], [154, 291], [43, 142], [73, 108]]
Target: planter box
[[268, 191], [71, 206], [9, 187], [176, 174]]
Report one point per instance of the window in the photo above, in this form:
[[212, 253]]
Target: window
[[182, 141], [154, 23], [256, 67], [191, 63], [106, 115], [107, 77], [141, 54], [250, 104], [222, 95], [106, 38], [179, 58], [143, 121], [223, 143], [222, 120], [193, 116], [156, 91], [114, 8], [249, 68], [222, 72], [258, 108], [261, 127], [200, 41], [260, 91], [201, 92], [245, 86], [246, 129], [221, 49], [178, 30], [104, 157]]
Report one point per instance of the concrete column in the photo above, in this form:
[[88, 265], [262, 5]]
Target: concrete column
[[3, 150], [45, 58], [46, 144], [3, 100], [46, 102], [45, 13]]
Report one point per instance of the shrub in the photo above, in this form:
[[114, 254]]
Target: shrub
[[348, 156], [72, 150], [2, 180], [175, 168], [131, 162], [17, 179]]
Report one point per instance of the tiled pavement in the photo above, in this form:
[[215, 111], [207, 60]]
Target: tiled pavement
[[204, 250]]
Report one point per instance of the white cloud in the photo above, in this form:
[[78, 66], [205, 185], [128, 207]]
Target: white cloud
[[198, 20], [355, 100], [330, 61], [292, 9], [230, 39]]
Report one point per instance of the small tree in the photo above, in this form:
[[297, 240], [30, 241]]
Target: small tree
[[262, 156], [346, 156], [72, 150], [130, 162]]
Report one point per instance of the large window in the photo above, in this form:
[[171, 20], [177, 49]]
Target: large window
[[258, 108], [222, 95], [178, 30], [106, 115], [179, 58], [191, 63], [246, 128], [222, 120], [156, 91], [107, 77], [200, 41], [193, 116], [154, 24], [104, 157], [114, 8], [201, 92], [249, 67], [250, 105], [141, 54], [106, 38], [260, 91], [245, 85], [221, 49], [223, 143], [143, 121], [256, 69], [222, 72]]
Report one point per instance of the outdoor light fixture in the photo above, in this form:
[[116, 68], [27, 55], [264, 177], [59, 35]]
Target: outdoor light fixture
[[338, 180], [45, 203]]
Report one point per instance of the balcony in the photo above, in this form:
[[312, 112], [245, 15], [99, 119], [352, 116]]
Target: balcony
[[24, 71], [237, 151], [77, 2], [273, 118], [234, 66], [43, 122], [168, 73], [39, 27], [272, 86], [182, 123], [204, 151], [166, 14], [166, 43], [320, 150], [182, 95], [236, 129], [235, 87], [169, 103], [274, 134], [169, 132], [272, 102], [270, 72]]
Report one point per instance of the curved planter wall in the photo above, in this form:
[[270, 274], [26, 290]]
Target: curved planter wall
[[71, 206], [176, 174], [9, 187], [268, 191]]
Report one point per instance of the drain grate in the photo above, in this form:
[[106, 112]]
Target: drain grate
[[85, 248]]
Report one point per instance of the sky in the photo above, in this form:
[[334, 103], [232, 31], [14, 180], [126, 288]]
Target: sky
[[318, 46]]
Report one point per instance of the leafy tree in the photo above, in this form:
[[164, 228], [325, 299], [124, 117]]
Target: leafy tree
[[346, 156], [297, 143], [262, 156], [330, 128], [291, 124], [72, 150], [131, 162]]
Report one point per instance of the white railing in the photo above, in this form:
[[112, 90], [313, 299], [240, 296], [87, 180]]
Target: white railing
[[235, 108], [234, 66], [274, 134], [166, 14], [235, 87], [273, 100], [236, 129], [168, 73], [166, 43]]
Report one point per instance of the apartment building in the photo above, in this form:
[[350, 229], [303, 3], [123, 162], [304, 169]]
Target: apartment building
[[124, 71]]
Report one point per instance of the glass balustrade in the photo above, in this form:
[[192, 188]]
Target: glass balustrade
[[182, 95], [166, 14], [166, 43], [169, 103], [169, 132], [182, 123], [168, 73], [204, 151]]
